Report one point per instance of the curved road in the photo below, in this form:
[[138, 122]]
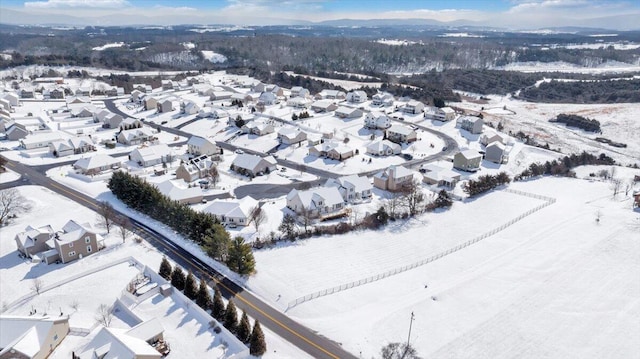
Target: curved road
[[297, 334]]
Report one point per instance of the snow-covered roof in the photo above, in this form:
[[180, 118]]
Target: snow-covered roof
[[147, 329], [26, 237], [115, 343], [469, 154], [247, 161], [177, 193], [403, 130], [198, 141], [329, 196], [25, 334], [152, 152], [378, 146], [232, 208], [358, 183]]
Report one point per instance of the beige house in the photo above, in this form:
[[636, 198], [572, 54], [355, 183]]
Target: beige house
[[96, 164], [252, 165], [324, 105], [194, 169], [258, 128], [383, 148], [289, 135], [34, 240], [134, 343], [413, 107], [443, 114], [33, 337], [468, 160], [150, 103], [233, 212], [393, 178], [348, 112], [332, 149], [198, 146], [401, 134], [321, 201], [135, 136], [76, 241], [496, 152], [471, 123], [439, 176], [152, 155]]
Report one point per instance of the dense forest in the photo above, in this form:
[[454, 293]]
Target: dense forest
[[588, 91]]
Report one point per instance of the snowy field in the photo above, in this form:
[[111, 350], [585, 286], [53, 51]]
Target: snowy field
[[560, 66], [540, 285]]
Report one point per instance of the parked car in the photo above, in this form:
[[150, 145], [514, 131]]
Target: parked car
[[239, 151], [407, 156]]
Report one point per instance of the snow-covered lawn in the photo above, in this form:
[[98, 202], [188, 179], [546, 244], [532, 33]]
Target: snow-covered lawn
[[537, 288], [8, 176]]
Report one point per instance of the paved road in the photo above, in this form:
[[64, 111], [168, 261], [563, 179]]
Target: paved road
[[315, 345]]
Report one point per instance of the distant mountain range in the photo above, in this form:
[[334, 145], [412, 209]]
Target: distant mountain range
[[15, 17]]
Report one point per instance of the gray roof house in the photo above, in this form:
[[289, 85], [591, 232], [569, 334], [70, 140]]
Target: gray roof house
[[468, 160], [252, 165], [496, 152], [34, 240]]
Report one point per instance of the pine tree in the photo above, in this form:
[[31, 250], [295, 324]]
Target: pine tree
[[217, 307], [258, 345], [231, 317], [240, 259], [165, 269], [204, 298], [190, 289], [177, 278], [244, 329]]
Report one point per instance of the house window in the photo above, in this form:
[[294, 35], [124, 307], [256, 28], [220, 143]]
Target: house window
[[89, 249], [72, 254], [55, 337], [87, 240], [71, 245]]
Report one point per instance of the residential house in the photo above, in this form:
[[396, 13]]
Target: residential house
[[352, 188], [32, 337], [382, 99], [316, 202], [233, 212], [195, 168], [40, 140], [440, 176], [114, 91], [393, 178], [129, 123], [6, 123], [289, 135], [298, 91], [258, 128], [322, 106], [496, 152], [220, 95], [136, 95], [299, 102], [71, 146], [152, 155], [332, 149], [467, 160], [27, 92], [117, 343], [413, 107], [443, 114], [487, 138], [34, 240], [96, 164], [143, 88], [401, 134], [348, 112], [377, 120], [357, 97], [331, 95], [99, 115], [189, 108], [135, 136], [76, 241], [56, 93], [166, 105], [181, 194], [472, 124], [167, 84], [84, 111], [274, 89], [78, 101], [13, 99], [383, 148], [150, 103], [252, 165], [84, 91], [198, 146], [244, 98], [16, 131], [268, 98]]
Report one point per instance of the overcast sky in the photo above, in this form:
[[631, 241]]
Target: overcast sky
[[502, 13]]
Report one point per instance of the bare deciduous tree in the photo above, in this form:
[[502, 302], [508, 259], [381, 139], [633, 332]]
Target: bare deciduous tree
[[104, 314], [257, 216], [37, 284], [123, 224], [12, 203], [306, 216], [106, 215], [392, 204], [616, 185], [214, 175], [412, 197]]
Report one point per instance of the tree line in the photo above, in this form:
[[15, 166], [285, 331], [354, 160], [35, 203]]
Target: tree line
[[578, 121], [201, 228], [563, 167], [589, 91], [485, 183]]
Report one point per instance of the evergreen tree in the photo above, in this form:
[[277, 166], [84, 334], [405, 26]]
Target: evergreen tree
[[231, 317], [203, 298], [177, 278], [190, 289], [244, 329], [258, 345], [165, 269], [240, 259], [217, 307], [443, 200]]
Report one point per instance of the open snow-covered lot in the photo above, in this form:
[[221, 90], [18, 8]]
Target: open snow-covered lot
[[539, 288]]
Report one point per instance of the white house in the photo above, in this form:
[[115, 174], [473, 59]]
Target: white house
[[331, 95], [178, 193], [324, 105], [252, 165], [443, 114], [382, 99], [383, 148], [471, 123], [152, 155], [298, 91], [353, 188], [496, 152], [440, 176], [189, 108], [198, 146], [413, 107], [299, 102], [258, 128], [233, 212], [332, 149], [135, 136], [377, 120], [71, 146], [96, 164], [348, 112], [321, 201], [39, 140], [290, 135], [357, 97], [13, 99], [268, 98]]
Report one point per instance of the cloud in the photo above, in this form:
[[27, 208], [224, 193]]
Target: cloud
[[63, 4]]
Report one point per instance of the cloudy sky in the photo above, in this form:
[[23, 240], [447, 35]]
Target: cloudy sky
[[504, 13]]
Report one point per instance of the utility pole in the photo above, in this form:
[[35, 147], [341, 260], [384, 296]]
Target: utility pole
[[406, 349]]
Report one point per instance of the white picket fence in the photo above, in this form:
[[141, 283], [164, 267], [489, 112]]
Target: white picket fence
[[397, 270]]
